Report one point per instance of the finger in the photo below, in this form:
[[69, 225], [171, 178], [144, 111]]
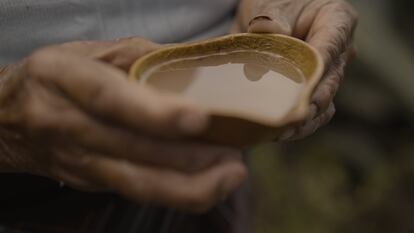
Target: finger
[[73, 180], [70, 125], [145, 184], [328, 86], [120, 53], [196, 193], [124, 52], [321, 101], [235, 27], [266, 16], [64, 166], [328, 26], [103, 91], [310, 126]]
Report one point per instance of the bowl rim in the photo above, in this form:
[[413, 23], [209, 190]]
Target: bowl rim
[[299, 111]]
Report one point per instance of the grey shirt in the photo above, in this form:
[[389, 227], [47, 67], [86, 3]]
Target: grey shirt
[[28, 24]]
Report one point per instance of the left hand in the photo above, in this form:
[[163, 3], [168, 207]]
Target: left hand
[[327, 25], [68, 112]]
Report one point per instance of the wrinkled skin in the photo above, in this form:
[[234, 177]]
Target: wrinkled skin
[[327, 25], [69, 112]]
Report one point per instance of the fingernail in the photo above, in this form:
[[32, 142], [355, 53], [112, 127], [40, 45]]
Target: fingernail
[[192, 123], [260, 18], [266, 24]]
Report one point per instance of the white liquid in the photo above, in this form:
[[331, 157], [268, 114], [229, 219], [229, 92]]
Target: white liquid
[[246, 83]]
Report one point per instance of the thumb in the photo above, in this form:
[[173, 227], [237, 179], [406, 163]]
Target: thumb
[[272, 16], [266, 24]]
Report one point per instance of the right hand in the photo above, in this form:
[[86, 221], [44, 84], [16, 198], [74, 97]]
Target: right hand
[[327, 25], [69, 112]]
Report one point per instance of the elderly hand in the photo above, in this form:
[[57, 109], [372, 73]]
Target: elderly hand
[[69, 112], [327, 25]]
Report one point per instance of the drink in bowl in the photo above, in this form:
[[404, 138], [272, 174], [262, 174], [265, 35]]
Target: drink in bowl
[[253, 85]]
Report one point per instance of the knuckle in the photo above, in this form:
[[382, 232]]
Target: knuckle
[[130, 48], [35, 116], [163, 114], [331, 111], [343, 30], [352, 12], [322, 100], [36, 63], [339, 73], [332, 86], [99, 95], [103, 99], [328, 115]]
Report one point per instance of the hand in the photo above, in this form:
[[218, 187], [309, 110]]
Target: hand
[[69, 112], [327, 25]]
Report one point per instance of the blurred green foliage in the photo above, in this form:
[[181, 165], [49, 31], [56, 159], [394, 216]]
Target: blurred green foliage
[[357, 173]]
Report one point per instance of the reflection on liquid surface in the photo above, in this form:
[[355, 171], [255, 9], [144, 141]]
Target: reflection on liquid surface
[[245, 83]]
